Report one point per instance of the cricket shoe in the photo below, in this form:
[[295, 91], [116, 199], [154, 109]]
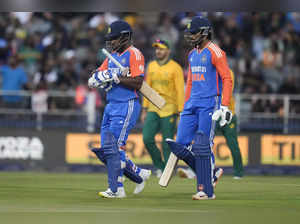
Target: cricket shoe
[[202, 196], [186, 173], [109, 194], [145, 175], [237, 177], [158, 173], [218, 174]]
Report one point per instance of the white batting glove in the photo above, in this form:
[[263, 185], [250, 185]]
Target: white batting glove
[[93, 83], [103, 76], [224, 114]]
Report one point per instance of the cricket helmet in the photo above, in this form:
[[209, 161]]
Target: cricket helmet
[[198, 30], [118, 30]]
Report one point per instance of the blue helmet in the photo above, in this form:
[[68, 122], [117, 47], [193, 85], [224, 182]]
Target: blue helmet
[[201, 26], [116, 29], [120, 30]]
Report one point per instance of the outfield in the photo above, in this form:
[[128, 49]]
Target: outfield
[[40, 198]]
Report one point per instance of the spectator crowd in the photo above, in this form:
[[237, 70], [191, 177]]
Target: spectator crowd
[[57, 51]]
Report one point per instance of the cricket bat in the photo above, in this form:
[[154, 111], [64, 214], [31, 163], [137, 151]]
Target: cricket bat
[[168, 171], [145, 89]]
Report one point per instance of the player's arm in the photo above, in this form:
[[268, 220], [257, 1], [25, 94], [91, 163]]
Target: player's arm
[[135, 81], [132, 82], [179, 87], [188, 85], [97, 80], [149, 81], [223, 70]]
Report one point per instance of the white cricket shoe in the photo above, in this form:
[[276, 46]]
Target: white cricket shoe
[[237, 177], [217, 176], [158, 173], [109, 194], [202, 196], [186, 173], [145, 175]]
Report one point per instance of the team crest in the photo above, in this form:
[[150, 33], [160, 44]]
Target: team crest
[[203, 59], [123, 61]]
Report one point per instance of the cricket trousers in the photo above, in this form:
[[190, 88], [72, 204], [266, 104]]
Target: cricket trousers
[[230, 133], [154, 124]]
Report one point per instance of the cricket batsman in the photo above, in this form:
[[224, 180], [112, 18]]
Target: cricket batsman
[[208, 94], [122, 111], [229, 131]]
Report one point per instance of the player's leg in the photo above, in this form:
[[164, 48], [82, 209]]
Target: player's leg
[[109, 155], [168, 128], [112, 158], [185, 133], [122, 122], [129, 171], [150, 129], [230, 134], [203, 143], [203, 166]]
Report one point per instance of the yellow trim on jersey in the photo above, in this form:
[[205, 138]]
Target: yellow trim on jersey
[[231, 106]]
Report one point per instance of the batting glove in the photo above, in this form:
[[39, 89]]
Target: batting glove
[[224, 114], [93, 83], [115, 78]]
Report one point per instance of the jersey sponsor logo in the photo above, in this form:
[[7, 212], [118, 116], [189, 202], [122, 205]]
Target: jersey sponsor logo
[[114, 70], [198, 69], [198, 77], [21, 148]]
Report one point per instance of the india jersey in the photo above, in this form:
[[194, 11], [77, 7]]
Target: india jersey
[[134, 60], [209, 74]]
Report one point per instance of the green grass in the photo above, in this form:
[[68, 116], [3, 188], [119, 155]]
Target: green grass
[[71, 198]]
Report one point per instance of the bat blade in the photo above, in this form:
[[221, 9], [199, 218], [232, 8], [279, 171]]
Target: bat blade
[[168, 171]]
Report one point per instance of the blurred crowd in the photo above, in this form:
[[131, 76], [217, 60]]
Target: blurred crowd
[[58, 51]]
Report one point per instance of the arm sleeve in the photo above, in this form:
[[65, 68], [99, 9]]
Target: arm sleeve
[[104, 65], [223, 70], [179, 86], [149, 82], [188, 85], [137, 63]]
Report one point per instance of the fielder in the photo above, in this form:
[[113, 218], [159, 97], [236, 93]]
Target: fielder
[[122, 111], [165, 76], [208, 80]]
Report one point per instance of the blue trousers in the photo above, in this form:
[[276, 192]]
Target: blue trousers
[[118, 119], [197, 117]]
